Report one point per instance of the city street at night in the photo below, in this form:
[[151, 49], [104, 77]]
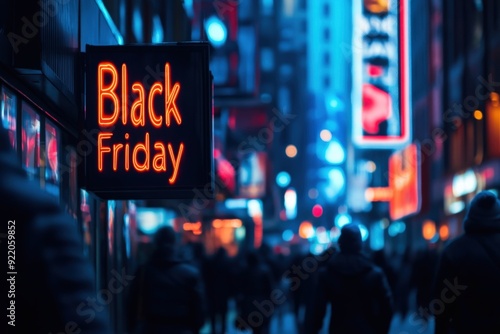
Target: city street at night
[[250, 166]]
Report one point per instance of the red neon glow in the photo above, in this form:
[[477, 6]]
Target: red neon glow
[[144, 148], [138, 119], [127, 150], [159, 161], [404, 180], [143, 156], [155, 89], [52, 154], [403, 192], [378, 194], [488, 173], [317, 211], [428, 229], [100, 149], [138, 108], [116, 149], [369, 133], [124, 93], [375, 71], [377, 108], [175, 161], [402, 66], [170, 97], [107, 92]]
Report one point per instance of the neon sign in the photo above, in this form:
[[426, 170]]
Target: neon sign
[[150, 110], [381, 84], [403, 191]]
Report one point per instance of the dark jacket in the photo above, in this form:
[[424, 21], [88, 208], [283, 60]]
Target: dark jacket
[[167, 296], [255, 287], [359, 294], [466, 289], [54, 281]]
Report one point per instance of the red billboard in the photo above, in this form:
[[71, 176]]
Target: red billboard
[[405, 178], [381, 75]]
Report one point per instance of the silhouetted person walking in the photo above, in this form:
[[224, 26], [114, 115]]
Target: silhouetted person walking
[[217, 281], [52, 283], [356, 289], [254, 304], [167, 295], [467, 290]]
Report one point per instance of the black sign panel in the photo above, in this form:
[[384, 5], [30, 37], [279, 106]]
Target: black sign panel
[[149, 114]]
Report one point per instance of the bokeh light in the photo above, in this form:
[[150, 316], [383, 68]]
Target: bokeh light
[[216, 31], [317, 210], [428, 230], [325, 135], [291, 151], [283, 179], [306, 230], [313, 193]]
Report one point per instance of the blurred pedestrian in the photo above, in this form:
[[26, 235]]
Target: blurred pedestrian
[[424, 270], [466, 290], [167, 295], [356, 289], [255, 305], [51, 288], [217, 281]]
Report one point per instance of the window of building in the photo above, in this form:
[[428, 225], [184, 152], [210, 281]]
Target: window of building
[[326, 9], [30, 140], [326, 34], [326, 58], [8, 112], [52, 143], [326, 82]]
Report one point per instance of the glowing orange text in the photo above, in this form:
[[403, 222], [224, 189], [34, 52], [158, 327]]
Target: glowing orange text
[[136, 151], [107, 73]]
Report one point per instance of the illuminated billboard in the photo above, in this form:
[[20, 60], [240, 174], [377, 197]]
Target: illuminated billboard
[[405, 179], [149, 112], [381, 74]]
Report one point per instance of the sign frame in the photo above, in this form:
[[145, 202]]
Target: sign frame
[[405, 164], [403, 93], [199, 175]]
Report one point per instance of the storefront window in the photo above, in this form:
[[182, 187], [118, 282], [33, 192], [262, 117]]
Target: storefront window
[[73, 190], [8, 103], [30, 140], [87, 225], [52, 139], [111, 227]]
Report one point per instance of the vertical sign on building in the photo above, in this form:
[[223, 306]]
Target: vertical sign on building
[[381, 76], [405, 179]]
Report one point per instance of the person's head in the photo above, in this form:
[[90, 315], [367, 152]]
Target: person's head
[[252, 258], [350, 239], [483, 213], [165, 238]]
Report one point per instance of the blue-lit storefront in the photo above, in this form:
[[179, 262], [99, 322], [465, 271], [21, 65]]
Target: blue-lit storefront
[[41, 101]]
